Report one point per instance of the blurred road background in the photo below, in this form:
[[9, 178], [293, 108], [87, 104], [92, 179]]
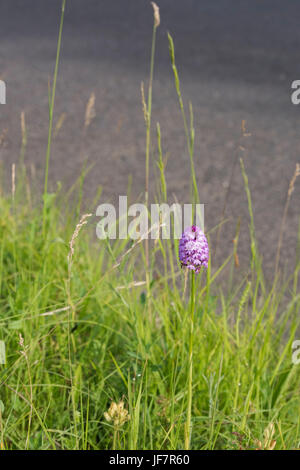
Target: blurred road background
[[236, 59]]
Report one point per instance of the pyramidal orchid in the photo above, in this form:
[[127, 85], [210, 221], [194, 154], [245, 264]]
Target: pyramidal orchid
[[193, 249]]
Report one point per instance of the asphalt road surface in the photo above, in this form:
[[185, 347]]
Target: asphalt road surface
[[236, 59]]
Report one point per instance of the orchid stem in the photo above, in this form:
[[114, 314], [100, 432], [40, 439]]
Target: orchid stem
[[188, 425]]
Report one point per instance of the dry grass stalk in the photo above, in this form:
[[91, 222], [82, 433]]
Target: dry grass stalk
[[21, 341], [3, 137], [131, 284], [268, 443], [283, 221], [59, 124], [244, 131], [79, 226], [145, 111], [293, 180], [236, 257], [90, 112], [53, 312], [23, 129], [156, 14]]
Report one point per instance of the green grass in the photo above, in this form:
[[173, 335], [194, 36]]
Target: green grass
[[105, 347], [97, 329]]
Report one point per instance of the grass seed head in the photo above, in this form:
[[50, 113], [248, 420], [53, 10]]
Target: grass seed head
[[156, 14], [79, 226]]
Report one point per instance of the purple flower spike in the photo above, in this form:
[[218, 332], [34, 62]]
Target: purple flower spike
[[193, 249]]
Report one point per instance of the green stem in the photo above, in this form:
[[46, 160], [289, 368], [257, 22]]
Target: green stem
[[189, 131], [51, 108], [148, 144], [115, 439], [188, 427]]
